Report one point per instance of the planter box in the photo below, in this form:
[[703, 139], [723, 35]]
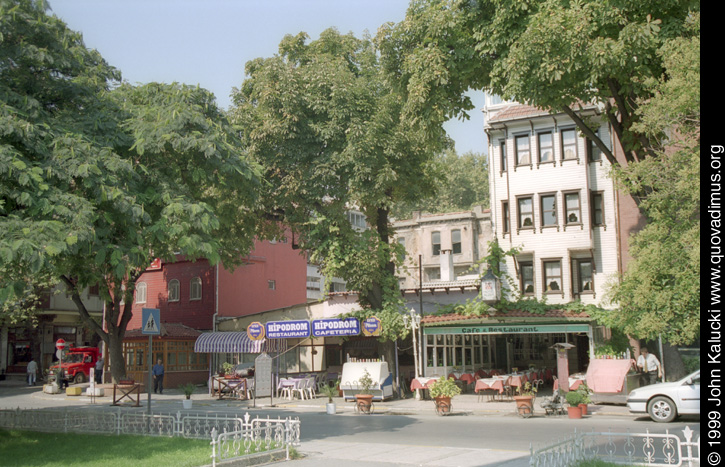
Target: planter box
[[97, 392]]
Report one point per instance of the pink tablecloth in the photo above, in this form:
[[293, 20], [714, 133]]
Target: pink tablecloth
[[490, 383], [573, 383], [517, 380], [467, 378], [421, 383], [605, 375]]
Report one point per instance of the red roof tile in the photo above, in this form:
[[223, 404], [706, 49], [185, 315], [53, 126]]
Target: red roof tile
[[168, 330]]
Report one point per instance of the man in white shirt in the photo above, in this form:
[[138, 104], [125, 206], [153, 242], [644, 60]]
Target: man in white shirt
[[649, 366], [32, 371]]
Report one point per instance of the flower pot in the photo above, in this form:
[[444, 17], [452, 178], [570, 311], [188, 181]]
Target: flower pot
[[583, 408], [364, 402], [331, 408], [574, 412], [443, 404], [524, 405], [187, 403]]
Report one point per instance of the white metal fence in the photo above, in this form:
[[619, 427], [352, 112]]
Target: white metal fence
[[259, 434], [231, 436], [652, 449]]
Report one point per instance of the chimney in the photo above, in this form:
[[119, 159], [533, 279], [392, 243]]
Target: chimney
[[447, 273]]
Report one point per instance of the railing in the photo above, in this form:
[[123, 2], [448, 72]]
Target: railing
[[650, 449], [257, 435], [231, 436]]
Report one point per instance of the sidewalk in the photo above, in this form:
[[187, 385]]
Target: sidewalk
[[24, 396]]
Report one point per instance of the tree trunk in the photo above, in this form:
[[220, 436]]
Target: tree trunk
[[673, 363], [115, 353]]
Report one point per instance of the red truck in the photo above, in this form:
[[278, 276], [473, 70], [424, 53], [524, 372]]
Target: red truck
[[77, 363]]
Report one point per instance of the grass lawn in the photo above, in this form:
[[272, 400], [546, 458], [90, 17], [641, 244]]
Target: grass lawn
[[597, 463], [29, 448]]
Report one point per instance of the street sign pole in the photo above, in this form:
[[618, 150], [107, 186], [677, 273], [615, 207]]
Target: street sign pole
[[151, 366], [151, 325]]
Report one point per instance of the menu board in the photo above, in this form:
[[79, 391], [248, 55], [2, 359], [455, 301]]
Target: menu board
[[263, 376]]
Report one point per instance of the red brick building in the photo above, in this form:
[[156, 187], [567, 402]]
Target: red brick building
[[191, 294]]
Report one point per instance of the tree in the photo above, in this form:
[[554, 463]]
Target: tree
[[634, 59], [99, 178], [549, 54], [659, 294], [461, 184], [324, 121]]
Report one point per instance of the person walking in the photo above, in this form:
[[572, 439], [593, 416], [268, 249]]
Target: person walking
[[32, 372], [99, 371], [649, 366], [158, 373]]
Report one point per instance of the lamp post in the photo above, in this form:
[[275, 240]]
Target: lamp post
[[413, 319]]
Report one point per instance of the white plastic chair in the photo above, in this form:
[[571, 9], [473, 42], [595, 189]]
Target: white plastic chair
[[300, 388]]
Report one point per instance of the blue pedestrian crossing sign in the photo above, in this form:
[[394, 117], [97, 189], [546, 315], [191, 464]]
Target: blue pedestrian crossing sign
[[151, 321]]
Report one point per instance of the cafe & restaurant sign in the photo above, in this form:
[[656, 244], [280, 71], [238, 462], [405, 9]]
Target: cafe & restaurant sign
[[508, 329]]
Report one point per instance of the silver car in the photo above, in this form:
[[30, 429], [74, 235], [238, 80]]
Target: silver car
[[665, 401]]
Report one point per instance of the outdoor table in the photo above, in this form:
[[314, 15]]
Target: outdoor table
[[467, 378], [574, 383], [236, 387], [289, 384], [126, 391], [421, 382], [517, 380], [494, 384]]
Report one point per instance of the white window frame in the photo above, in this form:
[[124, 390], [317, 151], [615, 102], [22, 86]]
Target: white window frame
[[174, 291]]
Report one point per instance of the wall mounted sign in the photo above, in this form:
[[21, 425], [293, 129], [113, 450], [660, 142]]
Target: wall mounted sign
[[287, 329], [508, 329], [255, 331], [334, 327], [372, 326]]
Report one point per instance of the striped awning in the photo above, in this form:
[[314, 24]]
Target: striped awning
[[236, 342]]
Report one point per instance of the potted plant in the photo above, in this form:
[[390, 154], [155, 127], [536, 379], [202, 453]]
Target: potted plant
[[227, 369], [442, 391], [574, 398], [188, 389], [585, 392], [364, 397], [525, 399], [330, 392]]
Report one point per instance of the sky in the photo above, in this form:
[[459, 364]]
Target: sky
[[208, 42]]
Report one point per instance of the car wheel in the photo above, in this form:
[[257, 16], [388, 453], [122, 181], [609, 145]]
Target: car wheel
[[662, 409], [79, 378]]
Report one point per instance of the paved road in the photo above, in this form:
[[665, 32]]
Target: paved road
[[400, 433]]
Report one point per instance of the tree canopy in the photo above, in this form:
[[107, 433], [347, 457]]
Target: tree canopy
[[324, 120], [659, 293], [100, 177], [638, 60]]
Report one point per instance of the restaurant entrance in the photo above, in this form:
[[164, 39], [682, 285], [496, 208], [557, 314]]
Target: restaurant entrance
[[467, 349]]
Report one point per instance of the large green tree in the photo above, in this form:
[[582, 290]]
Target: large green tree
[[324, 120], [659, 294], [548, 53], [98, 178], [556, 55]]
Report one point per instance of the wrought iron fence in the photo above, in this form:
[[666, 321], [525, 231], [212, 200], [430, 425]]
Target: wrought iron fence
[[231, 436], [256, 435], [652, 449]]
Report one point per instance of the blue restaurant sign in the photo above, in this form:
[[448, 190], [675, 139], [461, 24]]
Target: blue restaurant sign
[[334, 327], [287, 329]]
